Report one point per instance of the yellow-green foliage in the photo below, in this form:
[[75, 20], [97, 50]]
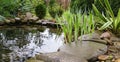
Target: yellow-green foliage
[[9, 7], [74, 25], [55, 9]]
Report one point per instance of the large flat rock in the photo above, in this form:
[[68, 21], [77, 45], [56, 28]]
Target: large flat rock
[[60, 57], [85, 49], [76, 52]]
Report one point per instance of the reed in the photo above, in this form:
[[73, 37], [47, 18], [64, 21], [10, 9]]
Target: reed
[[74, 25]]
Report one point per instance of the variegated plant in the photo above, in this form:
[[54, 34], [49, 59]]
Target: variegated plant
[[110, 21]]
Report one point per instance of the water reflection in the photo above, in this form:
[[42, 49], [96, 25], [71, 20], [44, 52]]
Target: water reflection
[[18, 44]]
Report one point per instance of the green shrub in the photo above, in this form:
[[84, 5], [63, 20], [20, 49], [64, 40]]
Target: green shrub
[[9, 7], [40, 11], [55, 10], [52, 2], [26, 6], [29, 5]]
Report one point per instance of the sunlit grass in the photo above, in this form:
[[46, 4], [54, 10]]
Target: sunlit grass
[[74, 25]]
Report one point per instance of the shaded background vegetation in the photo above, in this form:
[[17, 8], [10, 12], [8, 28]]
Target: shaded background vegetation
[[11, 7], [43, 8]]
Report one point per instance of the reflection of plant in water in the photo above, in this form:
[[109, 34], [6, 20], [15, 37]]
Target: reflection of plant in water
[[10, 37], [5, 58], [57, 31], [25, 43], [35, 38], [21, 37]]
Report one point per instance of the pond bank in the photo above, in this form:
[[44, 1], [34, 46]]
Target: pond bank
[[76, 52], [85, 51], [80, 52], [39, 23]]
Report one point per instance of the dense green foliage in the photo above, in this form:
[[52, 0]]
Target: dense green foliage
[[9, 7], [84, 5], [40, 11], [55, 9], [115, 5], [78, 18], [80, 23], [26, 5], [109, 21]]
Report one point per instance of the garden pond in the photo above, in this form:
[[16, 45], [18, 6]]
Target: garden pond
[[19, 43]]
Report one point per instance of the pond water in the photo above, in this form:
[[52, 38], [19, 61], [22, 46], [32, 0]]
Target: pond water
[[19, 43]]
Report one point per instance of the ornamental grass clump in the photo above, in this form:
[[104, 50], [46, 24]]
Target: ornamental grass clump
[[108, 21], [74, 25]]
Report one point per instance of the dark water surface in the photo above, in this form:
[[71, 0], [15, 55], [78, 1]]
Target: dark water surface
[[19, 43]]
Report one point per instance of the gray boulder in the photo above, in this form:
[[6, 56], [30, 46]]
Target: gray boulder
[[85, 49], [76, 51]]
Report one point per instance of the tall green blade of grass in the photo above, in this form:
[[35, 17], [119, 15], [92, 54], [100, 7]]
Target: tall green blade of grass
[[98, 13], [117, 22], [85, 24], [109, 21], [68, 19], [109, 8], [75, 25], [106, 25], [77, 21], [91, 23]]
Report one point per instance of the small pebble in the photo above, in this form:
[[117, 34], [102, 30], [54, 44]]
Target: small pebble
[[103, 57], [117, 60], [105, 35]]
